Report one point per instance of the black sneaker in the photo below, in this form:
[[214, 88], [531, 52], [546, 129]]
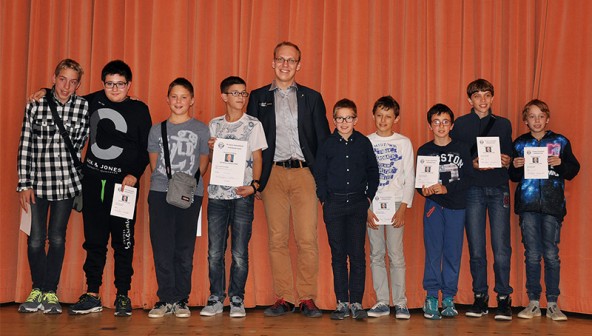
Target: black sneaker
[[504, 308], [479, 307], [309, 309], [279, 308], [123, 306], [86, 304]]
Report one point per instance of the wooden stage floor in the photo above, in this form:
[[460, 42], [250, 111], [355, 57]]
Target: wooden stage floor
[[104, 323]]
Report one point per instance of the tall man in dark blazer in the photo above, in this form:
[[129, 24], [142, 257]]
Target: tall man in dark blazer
[[295, 123]]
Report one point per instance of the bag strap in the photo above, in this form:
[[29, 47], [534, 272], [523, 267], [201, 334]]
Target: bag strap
[[486, 130], [165, 149], [56, 118]]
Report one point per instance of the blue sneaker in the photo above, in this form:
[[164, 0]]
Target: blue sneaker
[[341, 312], [86, 304], [379, 309], [448, 309], [430, 308], [402, 312]]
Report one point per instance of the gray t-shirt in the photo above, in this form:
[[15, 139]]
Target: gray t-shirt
[[187, 141]]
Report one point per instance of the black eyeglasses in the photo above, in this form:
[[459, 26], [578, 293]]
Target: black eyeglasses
[[120, 85], [238, 93], [347, 119], [291, 61]]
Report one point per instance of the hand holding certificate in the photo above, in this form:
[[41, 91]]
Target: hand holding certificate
[[124, 202], [488, 149], [535, 163], [427, 172], [384, 209], [229, 161]]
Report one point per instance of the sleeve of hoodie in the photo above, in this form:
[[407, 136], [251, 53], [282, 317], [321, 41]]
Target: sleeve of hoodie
[[569, 167], [144, 127], [516, 174]]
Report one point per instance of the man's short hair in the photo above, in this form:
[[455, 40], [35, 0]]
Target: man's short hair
[[117, 67], [345, 103], [69, 64], [479, 85], [230, 81], [287, 44], [386, 103], [440, 109], [538, 103], [184, 82]]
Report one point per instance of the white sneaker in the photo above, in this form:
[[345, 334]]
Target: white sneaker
[[160, 310], [554, 313], [402, 312], [237, 307], [181, 310], [214, 307], [533, 309]]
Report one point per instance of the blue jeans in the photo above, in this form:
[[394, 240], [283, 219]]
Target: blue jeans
[[236, 214], [540, 236], [495, 201], [46, 267]]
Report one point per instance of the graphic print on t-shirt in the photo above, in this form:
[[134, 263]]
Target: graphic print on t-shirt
[[387, 155], [181, 151]]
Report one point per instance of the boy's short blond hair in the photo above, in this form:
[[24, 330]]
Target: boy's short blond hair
[[69, 64], [538, 103]]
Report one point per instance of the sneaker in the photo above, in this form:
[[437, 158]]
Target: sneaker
[[309, 309], [213, 308], [160, 310], [180, 309], [402, 312], [341, 312], [504, 308], [554, 313], [430, 308], [123, 305], [479, 307], [237, 307], [51, 303], [86, 304], [357, 312], [379, 309], [448, 308], [279, 308], [33, 302], [533, 309]]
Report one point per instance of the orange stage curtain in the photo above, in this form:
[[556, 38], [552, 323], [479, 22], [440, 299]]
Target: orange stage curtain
[[421, 52]]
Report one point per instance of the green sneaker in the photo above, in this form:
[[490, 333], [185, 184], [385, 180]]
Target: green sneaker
[[51, 303], [33, 302], [430, 308], [448, 308]]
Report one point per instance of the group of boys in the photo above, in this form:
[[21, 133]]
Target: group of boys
[[350, 174]]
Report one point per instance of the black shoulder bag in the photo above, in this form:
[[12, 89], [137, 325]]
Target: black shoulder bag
[[77, 205], [182, 186]]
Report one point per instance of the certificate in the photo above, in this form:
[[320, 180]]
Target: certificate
[[488, 149], [427, 171], [384, 208], [535, 163], [124, 202], [229, 161]]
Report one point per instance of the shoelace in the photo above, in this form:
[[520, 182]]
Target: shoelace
[[34, 296], [51, 298]]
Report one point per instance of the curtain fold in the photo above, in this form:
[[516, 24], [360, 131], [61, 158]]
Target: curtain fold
[[420, 52]]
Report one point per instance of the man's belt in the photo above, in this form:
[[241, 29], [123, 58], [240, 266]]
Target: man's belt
[[291, 164]]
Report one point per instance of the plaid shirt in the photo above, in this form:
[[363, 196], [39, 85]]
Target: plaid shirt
[[43, 161]]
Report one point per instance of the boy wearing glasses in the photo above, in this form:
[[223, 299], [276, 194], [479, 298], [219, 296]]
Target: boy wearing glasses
[[230, 209], [444, 213], [346, 174], [117, 153]]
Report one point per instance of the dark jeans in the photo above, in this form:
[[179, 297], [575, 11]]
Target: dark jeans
[[234, 217], [540, 236], [172, 234], [345, 218], [496, 202], [46, 267], [99, 225]]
